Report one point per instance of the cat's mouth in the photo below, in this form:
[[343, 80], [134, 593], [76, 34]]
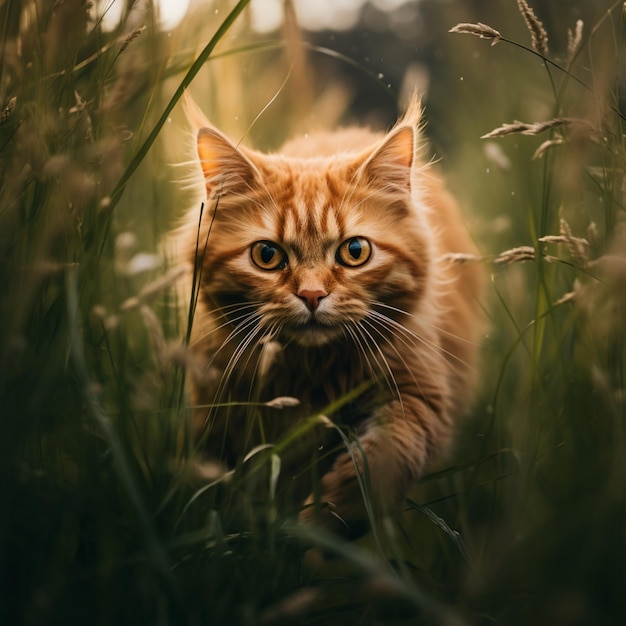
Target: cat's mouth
[[313, 332]]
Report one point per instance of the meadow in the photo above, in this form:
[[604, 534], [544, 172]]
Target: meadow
[[103, 519]]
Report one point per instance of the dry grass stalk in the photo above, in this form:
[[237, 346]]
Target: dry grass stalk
[[570, 296], [282, 402], [131, 37], [507, 129], [576, 245], [546, 145], [479, 30], [574, 39], [515, 255], [563, 239], [538, 34], [531, 129]]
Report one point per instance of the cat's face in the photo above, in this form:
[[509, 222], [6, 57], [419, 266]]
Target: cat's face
[[312, 250]]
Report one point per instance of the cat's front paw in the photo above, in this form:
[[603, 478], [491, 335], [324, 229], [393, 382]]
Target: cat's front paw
[[349, 496]]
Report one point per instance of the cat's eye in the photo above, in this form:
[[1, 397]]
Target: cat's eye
[[268, 255], [354, 252]]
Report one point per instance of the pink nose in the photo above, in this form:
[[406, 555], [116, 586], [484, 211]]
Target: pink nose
[[311, 297]]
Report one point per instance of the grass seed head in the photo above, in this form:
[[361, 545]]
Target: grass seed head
[[130, 38], [574, 39], [538, 34], [577, 246], [515, 255], [535, 128], [479, 30], [546, 145]]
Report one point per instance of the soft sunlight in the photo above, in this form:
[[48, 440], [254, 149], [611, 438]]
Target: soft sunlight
[[266, 15], [169, 12]]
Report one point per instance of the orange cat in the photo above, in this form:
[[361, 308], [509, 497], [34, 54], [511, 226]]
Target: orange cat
[[321, 275]]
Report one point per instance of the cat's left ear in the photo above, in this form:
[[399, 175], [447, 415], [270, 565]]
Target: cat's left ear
[[392, 162], [225, 167]]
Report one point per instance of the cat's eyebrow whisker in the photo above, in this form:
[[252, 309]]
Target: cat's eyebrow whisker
[[347, 198], [348, 194], [375, 192], [350, 189], [270, 197], [251, 198], [248, 198]]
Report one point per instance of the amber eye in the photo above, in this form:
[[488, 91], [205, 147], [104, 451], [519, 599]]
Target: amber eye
[[268, 255], [354, 252]]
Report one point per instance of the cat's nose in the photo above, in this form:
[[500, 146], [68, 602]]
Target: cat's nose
[[311, 297]]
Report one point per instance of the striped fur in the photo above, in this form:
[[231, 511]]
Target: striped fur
[[314, 328]]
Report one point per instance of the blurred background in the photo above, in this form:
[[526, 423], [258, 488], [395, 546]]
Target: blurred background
[[100, 518]]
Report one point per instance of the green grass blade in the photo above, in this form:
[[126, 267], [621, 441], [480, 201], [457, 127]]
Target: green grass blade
[[185, 82]]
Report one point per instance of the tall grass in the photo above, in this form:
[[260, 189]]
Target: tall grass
[[103, 518]]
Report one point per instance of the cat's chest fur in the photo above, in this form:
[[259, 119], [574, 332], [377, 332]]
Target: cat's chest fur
[[288, 394], [288, 383]]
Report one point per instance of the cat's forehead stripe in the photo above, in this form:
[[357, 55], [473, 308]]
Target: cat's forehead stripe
[[307, 209]]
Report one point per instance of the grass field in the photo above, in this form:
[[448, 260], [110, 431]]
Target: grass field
[[102, 520]]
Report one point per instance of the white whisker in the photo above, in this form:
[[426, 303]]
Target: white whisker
[[424, 320], [228, 322], [364, 361], [410, 370], [236, 355], [388, 372], [434, 347]]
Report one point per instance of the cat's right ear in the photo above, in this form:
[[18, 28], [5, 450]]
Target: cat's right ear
[[226, 169], [224, 166]]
